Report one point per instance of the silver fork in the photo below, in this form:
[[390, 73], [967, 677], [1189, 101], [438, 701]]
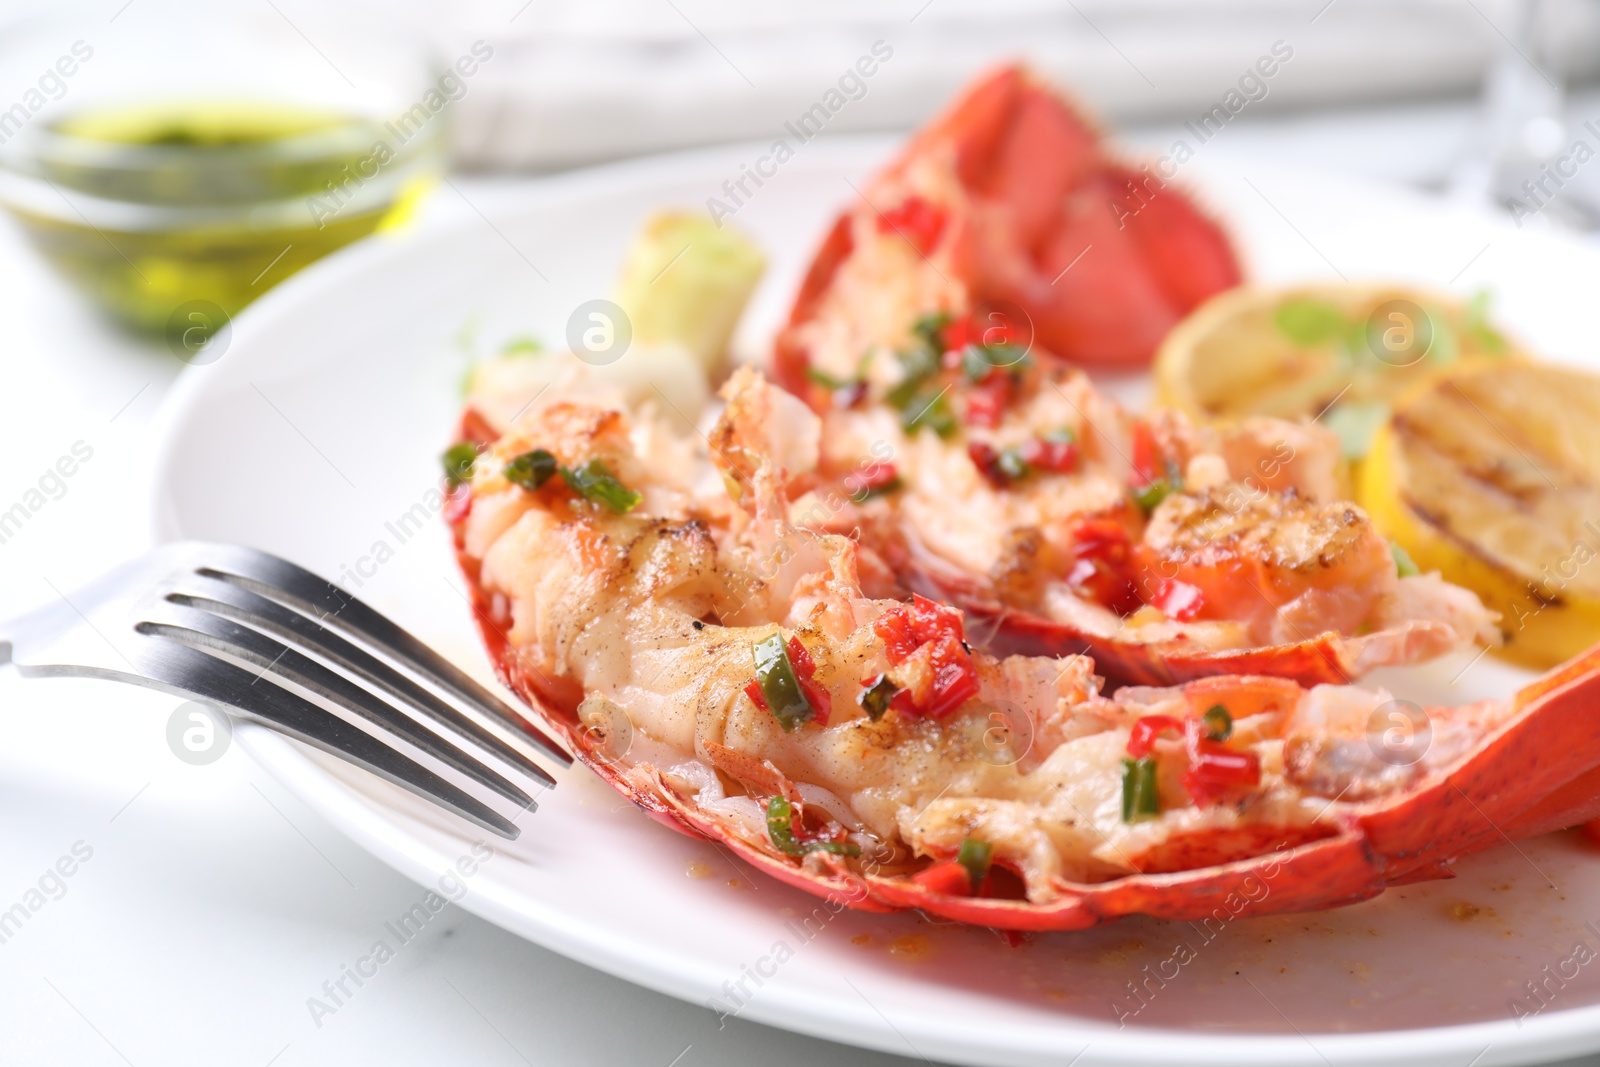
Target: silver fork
[[245, 630]]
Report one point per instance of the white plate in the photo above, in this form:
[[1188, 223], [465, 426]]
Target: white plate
[[319, 429]]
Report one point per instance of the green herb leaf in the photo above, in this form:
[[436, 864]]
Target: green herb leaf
[[928, 329], [976, 856], [780, 829], [1150, 496], [875, 698], [931, 410], [824, 379], [458, 460], [1140, 797], [594, 481], [1309, 322], [1218, 723], [780, 686], [522, 346], [1011, 464], [531, 469], [1403, 564], [1356, 422]]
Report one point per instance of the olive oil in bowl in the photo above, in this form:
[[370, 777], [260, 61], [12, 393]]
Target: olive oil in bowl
[[149, 207]]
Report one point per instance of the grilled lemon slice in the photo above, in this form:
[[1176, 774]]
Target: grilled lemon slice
[[1491, 475], [1336, 353]]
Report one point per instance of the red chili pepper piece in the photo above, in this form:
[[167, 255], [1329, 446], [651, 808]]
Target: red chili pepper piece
[[987, 460], [1060, 457], [1178, 600], [916, 220], [955, 679], [1142, 738], [987, 400], [1214, 769], [955, 336], [863, 482], [1147, 466], [805, 670], [1103, 564], [757, 697]]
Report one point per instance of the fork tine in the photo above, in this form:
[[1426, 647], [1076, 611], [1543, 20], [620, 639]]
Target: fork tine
[[194, 627], [278, 579], [241, 605], [186, 671]]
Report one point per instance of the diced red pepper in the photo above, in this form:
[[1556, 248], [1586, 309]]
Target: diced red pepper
[[1214, 769], [1178, 600], [955, 679], [987, 400], [757, 697], [805, 672], [863, 482], [1142, 738], [1102, 565], [915, 219], [1147, 466], [987, 460], [1060, 457], [955, 336]]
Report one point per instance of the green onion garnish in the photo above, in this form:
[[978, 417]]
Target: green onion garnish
[[1011, 464], [780, 686], [780, 828], [1150, 495], [458, 460], [875, 698], [929, 327], [1218, 723], [975, 856], [1140, 798], [1404, 566], [930, 411], [594, 481], [826, 380], [531, 469]]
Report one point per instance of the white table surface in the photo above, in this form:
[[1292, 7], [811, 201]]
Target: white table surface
[[214, 903]]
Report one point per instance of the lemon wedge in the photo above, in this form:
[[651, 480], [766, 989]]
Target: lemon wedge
[[1490, 474], [1339, 354]]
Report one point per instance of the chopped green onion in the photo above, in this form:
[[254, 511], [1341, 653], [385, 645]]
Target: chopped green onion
[[1140, 797], [1404, 566], [975, 856], [780, 828], [916, 367], [875, 698], [458, 460], [1308, 322], [780, 686], [929, 327], [1150, 495], [594, 481], [531, 469], [976, 363], [1011, 464], [928, 411], [1218, 723], [826, 380]]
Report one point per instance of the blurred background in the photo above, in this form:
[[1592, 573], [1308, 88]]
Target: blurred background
[[198, 133]]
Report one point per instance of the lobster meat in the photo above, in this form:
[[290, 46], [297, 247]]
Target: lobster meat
[[1010, 202], [927, 336], [727, 671]]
